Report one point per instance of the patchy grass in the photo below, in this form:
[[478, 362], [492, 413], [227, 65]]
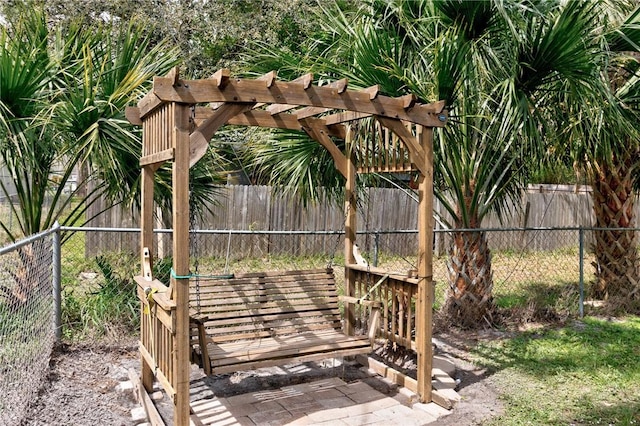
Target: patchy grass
[[583, 374]]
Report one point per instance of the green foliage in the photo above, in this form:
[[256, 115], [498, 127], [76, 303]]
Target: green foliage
[[585, 373], [162, 269], [110, 309], [63, 91]]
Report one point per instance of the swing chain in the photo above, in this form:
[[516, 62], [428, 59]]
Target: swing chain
[[338, 237], [195, 248]]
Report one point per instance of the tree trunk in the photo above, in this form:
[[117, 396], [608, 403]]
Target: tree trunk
[[615, 248], [469, 300]]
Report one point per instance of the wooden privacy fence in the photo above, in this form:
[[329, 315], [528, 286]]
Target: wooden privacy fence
[[261, 208]]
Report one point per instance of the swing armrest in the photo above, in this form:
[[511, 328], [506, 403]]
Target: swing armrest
[[374, 319], [198, 321], [196, 317], [358, 301]]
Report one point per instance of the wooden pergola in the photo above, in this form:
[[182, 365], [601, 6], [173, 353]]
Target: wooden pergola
[[180, 117]]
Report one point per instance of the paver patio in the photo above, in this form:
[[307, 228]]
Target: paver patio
[[328, 401]]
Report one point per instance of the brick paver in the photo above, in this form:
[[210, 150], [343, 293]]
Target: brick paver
[[323, 402]]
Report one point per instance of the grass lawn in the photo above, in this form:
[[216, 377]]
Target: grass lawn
[[583, 374]]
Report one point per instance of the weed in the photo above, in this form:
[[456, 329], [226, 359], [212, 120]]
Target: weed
[[111, 309]]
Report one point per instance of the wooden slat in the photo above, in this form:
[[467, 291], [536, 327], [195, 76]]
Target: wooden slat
[[258, 311], [280, 361], [277, 348], [249, 313], [249, 293], [299, 340], [282, 326], [332, 316], [164, 381], [158, 157], [287, 273], [245, 296], [255, 297], [409, 141], [274, 282], [275, 109], [344, 117], [262, 284]]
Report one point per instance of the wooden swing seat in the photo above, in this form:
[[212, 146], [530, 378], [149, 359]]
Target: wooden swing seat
[[266, 319]]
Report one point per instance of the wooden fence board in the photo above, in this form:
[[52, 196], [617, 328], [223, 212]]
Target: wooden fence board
[[382, 209]]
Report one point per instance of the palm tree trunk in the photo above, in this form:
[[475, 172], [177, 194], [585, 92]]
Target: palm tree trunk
[[616, 262], [470, 301]]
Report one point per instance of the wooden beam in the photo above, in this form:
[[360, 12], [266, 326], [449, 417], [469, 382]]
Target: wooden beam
[[180, 202], [149, 103], [305, 80], [340, 85], [278, 108], [318, 131], [424, 320], [142, 396], [252, 91], [309, 112], [174, 75], [221, 77], [257, 118], [268, 78], [417, 153], [350, 229], [133, 115], [146, 245], [199, 139], [435, 107], [344, 117], [372, 91], [408, 101]]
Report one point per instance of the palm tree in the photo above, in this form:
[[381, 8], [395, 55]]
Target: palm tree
[[606, 144], [28, 150], [496, 65], [63, 97]]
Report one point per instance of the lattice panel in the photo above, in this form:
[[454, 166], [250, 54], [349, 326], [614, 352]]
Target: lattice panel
[[156, 134], [379, 150]]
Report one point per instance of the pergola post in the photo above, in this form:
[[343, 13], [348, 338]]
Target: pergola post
[[180, 280], [146, 244], [425, 267], [350, 228]]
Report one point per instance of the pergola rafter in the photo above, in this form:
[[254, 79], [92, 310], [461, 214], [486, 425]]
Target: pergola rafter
[[179, 119]]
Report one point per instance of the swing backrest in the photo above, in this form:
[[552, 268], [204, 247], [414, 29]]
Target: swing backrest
[[268, 304]]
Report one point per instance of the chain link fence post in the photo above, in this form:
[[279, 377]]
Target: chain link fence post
[[581, 263], [57, 281]]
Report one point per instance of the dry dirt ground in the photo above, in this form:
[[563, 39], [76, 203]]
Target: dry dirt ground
[[84, 385]]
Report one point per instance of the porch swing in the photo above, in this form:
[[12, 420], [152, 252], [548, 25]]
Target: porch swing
[[257, 319], [244, 321]]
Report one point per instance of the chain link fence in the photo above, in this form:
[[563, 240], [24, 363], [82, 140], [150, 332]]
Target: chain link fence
[[27, 322], [537, 275], [535, 272]]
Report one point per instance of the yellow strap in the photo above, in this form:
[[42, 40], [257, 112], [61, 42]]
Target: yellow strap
[[150, 302]]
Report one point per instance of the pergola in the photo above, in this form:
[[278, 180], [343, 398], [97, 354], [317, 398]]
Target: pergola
[[179, 118]]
